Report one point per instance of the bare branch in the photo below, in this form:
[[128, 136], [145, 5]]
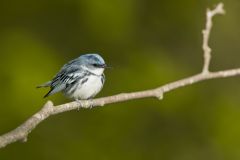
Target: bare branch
[[21, 132], [206, 33]]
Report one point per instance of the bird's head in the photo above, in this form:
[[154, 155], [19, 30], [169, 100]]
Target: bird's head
[[93, 63]]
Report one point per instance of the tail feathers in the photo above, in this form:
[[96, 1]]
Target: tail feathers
[[55, 89], [47, 84], [48, 94]]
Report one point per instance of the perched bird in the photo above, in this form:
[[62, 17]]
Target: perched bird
[[81, 78]]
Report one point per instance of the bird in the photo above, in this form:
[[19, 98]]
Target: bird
[[79, 79]]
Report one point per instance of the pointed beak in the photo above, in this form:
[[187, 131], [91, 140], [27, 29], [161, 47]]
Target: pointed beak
[[108, 67], [105, 66]]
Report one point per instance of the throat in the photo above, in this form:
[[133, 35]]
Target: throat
[[98, 71], [95, 71]]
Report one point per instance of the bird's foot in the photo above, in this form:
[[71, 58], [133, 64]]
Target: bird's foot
[[80, 104], [90, 101], [84, 104]]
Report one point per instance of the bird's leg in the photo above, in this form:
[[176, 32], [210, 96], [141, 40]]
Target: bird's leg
[[84, 104], [80, 104], [90, 103]]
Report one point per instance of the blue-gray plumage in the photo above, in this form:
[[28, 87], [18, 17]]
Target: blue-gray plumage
[[81, 78]]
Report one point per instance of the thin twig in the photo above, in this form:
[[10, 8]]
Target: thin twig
[[206, 33], [21, 132]]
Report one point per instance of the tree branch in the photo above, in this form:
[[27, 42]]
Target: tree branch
[[206, 33], [21, 132]]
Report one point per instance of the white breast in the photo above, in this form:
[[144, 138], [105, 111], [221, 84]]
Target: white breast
[[88, 89]]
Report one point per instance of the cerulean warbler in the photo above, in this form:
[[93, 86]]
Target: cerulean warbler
[[81, 78]]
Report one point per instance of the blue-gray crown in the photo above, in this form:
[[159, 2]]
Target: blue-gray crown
[[92, 59]]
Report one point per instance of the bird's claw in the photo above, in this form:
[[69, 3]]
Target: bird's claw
[[80, 104], [84, 104]]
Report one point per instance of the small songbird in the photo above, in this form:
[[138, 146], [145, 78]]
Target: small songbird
[[81, 78]]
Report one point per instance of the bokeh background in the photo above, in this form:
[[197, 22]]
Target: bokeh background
[[149, 43]]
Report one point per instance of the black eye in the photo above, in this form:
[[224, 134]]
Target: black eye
[[95, 65]]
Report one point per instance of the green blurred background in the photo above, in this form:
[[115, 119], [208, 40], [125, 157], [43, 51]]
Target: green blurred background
[[149, 43]]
